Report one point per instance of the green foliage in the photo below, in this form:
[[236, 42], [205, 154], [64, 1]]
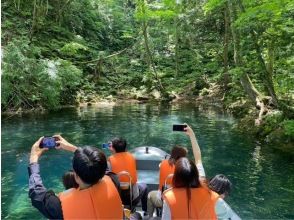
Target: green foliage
[[211, 5], [288, 126], [69, 77], [72, 48], [28, 82], [24, 77], [268, 12], [64, 46], [271, 123]]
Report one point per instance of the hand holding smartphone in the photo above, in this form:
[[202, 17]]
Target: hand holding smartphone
[[179, 127], [48, 142]]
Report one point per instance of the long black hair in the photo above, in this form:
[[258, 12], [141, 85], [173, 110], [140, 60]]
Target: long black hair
[[186, 176]]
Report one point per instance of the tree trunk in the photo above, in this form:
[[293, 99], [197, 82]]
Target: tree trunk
[[267, 76], [254, 95], [226, 77], [148, 51], [177, 46], [235, 34], [271, 57], [226, 39], [32, 29], [246, 83]]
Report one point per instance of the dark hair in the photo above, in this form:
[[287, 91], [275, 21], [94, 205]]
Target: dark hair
[[220, 184], [176, 153], [119, 144], [186, 174], [90, 164], [68, 180]]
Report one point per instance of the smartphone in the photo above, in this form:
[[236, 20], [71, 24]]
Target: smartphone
[[105, 145], [48, 142], [179, 127]]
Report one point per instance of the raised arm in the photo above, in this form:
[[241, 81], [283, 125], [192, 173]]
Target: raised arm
[[45, 201], [194, 143], [64, 144]]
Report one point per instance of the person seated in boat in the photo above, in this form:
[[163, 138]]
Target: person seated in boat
[[123, 161], [95, 196], [189, 196], [222, 186], [166, 169], [68, 180]]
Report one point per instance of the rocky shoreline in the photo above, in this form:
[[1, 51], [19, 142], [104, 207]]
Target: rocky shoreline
[[272, 130]]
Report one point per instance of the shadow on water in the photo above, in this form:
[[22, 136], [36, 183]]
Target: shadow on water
[[263, 178]]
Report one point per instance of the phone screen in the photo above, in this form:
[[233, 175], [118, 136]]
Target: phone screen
[[179, 127], [48, 142], [105, 145]]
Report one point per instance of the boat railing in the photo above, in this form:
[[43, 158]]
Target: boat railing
[[125, 186], [168, 181]]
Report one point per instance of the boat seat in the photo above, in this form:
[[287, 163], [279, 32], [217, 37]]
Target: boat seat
[[126, 190]]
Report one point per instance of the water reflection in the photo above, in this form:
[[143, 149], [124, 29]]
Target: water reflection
[[263, 179]]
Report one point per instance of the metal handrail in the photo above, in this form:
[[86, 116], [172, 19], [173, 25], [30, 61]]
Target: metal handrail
[[126, 185]]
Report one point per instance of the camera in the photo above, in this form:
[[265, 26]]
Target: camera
[[48, 142]]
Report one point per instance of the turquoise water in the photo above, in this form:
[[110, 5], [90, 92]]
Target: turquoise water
[[263, 178]]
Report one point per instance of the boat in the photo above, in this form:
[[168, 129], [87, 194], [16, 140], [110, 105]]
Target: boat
[[148, 159]]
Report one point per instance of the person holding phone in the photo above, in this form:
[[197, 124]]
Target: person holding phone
[[195, 148], [96, 196], [189, 198]]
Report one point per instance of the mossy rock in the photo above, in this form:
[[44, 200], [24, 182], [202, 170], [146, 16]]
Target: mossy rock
[[247, 125], [271, 123], [281, 140], [204, 92], [241, 109]]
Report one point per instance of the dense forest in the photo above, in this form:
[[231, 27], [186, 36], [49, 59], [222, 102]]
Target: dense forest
[[61, 52]]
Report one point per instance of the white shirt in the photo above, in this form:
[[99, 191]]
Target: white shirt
[[224, 211]]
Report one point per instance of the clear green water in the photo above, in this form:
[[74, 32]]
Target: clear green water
[[263, 178]]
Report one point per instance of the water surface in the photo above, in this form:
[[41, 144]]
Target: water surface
[[263, 178]]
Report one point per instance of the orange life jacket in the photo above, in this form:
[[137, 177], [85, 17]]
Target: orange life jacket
[[202, 203], [100, 201], [124, 161], [165, 170]]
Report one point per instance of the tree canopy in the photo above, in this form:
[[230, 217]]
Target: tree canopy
[[58, 52]]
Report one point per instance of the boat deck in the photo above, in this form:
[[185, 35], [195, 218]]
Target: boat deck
[[149, 177], [148, 159]]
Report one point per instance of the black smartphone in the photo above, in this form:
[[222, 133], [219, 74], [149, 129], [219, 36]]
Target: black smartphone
[[48, 142], [179, 127]]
